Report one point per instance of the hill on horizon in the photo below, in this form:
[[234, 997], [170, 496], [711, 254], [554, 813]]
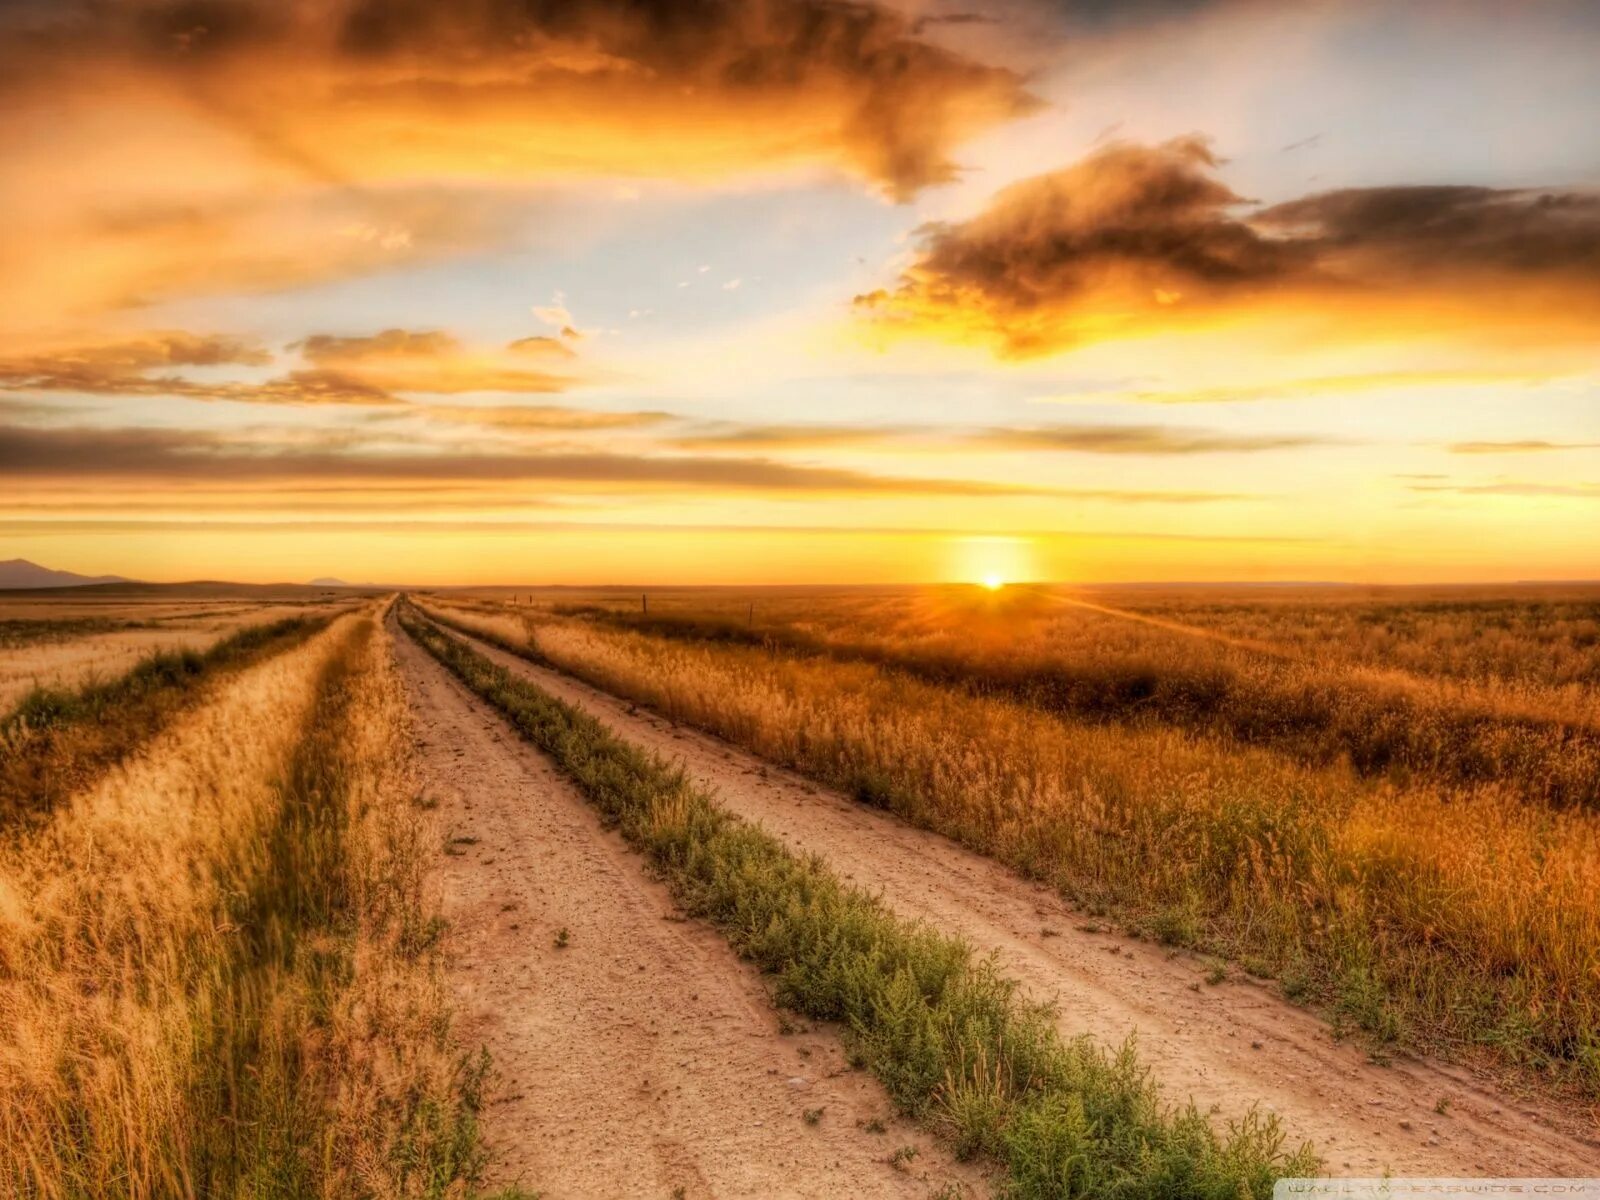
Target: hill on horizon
[[21, 573]]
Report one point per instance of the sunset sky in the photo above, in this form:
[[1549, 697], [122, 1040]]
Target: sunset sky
[[792, 291]]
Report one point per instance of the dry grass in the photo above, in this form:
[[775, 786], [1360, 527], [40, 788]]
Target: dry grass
[[63, 645], [56, 742], [218, 973], [1464, 918], [1082, 659]]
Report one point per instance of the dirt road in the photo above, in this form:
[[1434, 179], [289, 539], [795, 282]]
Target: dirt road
[[1226, 1045], [642, 1057]]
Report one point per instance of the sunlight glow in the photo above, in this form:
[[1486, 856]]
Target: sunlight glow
[[993, 582]]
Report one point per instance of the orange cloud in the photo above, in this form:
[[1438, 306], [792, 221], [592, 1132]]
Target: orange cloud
[[152, 148], [1136, 239], [145, 365], [428, 361], [341, 370]]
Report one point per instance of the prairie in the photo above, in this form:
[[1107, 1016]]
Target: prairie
[[1415, 852], [59, 643]]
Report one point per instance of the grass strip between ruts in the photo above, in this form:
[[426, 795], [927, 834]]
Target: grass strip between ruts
[[59, 740]]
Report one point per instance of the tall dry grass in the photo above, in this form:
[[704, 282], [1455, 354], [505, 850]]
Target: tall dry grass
[[218, 966], [81, 649], [1133, 667], [1459, 918]]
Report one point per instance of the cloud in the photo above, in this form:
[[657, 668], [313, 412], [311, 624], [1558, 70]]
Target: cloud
[[1340, 385], [789, 437], [1141, 439], [144, 366], [542, 346], [536, 417], [1524, 446], [1580, 491], [434, 362], [96, 456], [159, 148], [1136, 238], [1082, 438], [326, 349], [1370, 236], [84, 367], [366, 369]]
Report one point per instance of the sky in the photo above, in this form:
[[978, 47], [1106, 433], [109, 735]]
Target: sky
[[794, 291]]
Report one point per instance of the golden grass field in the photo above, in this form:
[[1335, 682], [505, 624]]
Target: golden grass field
[[63, 644], [1384, 800], [224, 969]]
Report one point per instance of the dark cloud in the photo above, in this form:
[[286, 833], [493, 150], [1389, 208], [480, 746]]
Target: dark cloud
[[1135, 238], [1392, 234], [183, 456], [486, 82]]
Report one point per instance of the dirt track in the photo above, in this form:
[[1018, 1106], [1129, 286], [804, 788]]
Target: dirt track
[[1225, 1046], [643, 1057]]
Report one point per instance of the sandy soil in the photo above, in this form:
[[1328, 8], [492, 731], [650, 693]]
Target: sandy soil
[[1225, 1046], [643, 1057], [104, 656]]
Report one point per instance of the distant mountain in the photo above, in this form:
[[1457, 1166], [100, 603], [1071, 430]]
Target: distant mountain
[[332, 581], [20, 573]]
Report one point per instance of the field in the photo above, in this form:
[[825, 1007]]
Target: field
[[1028, 892], [65, 644]]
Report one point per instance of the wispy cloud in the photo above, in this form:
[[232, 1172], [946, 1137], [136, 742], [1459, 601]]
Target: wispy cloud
[[178, 456], [1336, 385], [1520, 446], [437, 363], [1126, 439], [1584, 491], [361, 370], [1143, 439]]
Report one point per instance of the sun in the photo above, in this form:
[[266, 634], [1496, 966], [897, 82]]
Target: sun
[[993, 582]]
